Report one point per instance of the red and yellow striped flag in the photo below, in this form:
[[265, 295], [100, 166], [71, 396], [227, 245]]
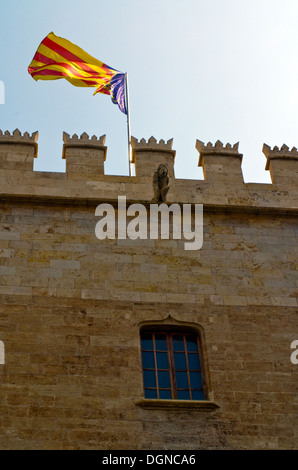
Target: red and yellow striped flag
[[59, 58]]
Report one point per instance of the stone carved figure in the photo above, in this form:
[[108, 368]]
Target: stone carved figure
[[161, 183]]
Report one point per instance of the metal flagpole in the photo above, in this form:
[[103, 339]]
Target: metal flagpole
[[128, 123]]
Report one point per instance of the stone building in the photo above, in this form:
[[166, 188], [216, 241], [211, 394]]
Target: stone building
[[74, 372]]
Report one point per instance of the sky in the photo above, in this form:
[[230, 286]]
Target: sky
[[197, 69]]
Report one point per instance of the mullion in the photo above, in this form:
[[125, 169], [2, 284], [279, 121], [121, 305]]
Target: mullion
[[169, 370], [199, 371], [184, 351], [161, 370], [172, 366], [201, 368], [148, 368], [155, 364], [187, 366]]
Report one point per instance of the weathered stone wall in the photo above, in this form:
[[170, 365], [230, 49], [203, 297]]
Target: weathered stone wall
[[71, 306]]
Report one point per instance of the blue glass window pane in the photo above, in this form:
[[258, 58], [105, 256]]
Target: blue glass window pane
[[192, 344], [182, 380], [180, 361], [162, 360], [148, 360], [197, 395], [187, 367], [194, 362], [149, 378], [165, 394], [147, 342], [195, 380], [164, 380], [160, 343], [178, 343], [150, 393], [183, 395]]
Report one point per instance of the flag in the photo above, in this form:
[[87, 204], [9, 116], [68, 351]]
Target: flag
[[59, 58]]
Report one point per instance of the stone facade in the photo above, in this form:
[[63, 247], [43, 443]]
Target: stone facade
[[72, 306]]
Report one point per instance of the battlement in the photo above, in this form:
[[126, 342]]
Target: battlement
[[217, 148], [219, 161], [85, 180], [148, 155], [17, 138], [152, 144], [284, 153], [282, 163], [83, 141], [84, 156]]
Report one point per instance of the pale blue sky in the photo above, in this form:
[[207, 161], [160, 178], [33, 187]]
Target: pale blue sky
[[197, 69]]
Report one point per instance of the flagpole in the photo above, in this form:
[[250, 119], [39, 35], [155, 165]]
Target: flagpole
[[128, 124]]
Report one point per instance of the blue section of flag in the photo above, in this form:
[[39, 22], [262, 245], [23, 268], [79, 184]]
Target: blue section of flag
[[118, 91]]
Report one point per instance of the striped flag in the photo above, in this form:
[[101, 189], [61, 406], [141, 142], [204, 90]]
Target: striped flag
[[59, 58]]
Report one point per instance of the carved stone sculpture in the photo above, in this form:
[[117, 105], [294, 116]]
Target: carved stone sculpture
[[161, 183]]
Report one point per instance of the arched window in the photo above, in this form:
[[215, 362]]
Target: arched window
[[172, 365]]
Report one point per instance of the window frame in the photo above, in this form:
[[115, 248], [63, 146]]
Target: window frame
[[171, 331]]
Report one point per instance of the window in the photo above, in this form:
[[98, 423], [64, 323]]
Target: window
[[172, 365]]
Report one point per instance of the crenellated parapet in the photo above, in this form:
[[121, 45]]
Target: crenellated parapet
[[152, 144], [85, 180], [148, 155], [84, 156], [18, 150], [281, 162], [217, 149], [220, 162], [83, 141], [16, 137]]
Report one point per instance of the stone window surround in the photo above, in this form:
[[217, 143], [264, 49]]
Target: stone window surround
[[175, 404]]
